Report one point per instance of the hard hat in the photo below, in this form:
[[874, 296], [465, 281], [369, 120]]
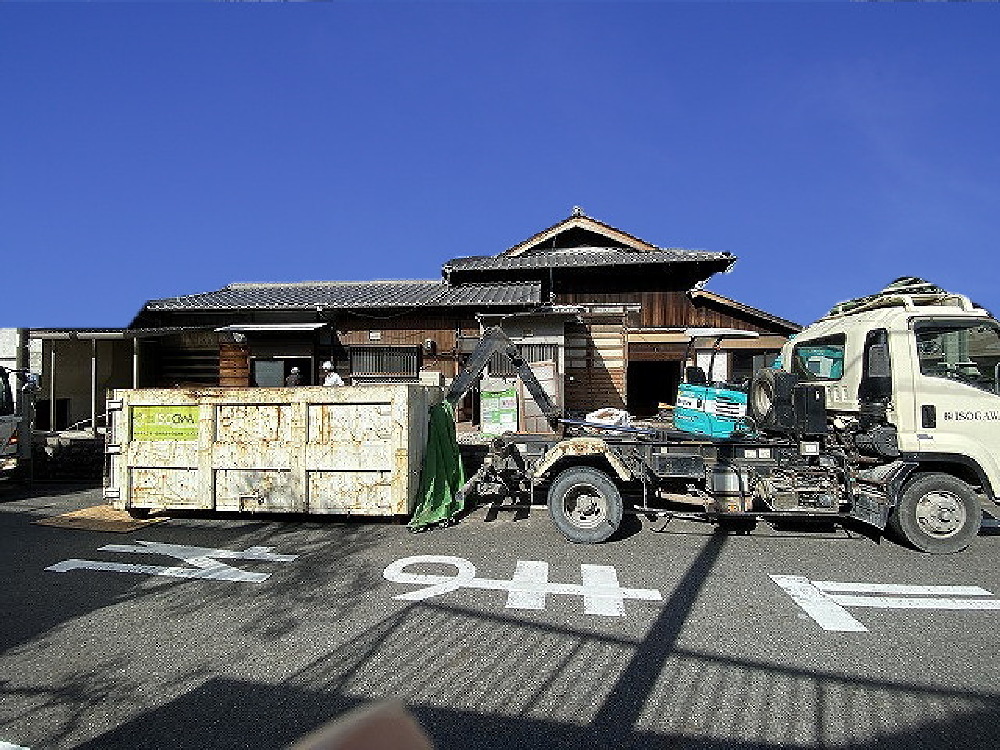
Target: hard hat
[[295, 369], [327, 365]]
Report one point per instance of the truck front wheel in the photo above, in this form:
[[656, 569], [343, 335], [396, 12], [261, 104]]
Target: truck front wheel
[[585, 505], [937, 513]]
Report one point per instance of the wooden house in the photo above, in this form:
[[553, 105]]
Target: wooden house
[[606, 308]]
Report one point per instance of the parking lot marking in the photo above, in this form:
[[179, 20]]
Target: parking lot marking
[[825, 601], [528, 588], [202, 562]]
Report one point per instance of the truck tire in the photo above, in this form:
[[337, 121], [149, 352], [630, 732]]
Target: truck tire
[[585, 505], [937, 513]]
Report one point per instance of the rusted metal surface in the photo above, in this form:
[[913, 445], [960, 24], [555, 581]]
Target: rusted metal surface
[[352, 450], [581, 446]]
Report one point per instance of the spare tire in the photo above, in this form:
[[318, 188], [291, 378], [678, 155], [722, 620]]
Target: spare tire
[[760, 400]]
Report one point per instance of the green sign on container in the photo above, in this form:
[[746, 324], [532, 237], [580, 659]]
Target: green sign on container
[[165, 422]]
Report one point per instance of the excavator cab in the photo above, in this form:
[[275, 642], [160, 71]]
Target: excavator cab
[[706, 406]]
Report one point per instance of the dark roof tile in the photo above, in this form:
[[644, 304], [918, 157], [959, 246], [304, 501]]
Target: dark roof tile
[[582, 258], [353, 294]]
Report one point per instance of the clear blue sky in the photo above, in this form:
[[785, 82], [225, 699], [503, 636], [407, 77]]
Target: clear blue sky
[[150, 150]]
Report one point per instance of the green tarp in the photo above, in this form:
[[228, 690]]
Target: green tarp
[[442, 474]]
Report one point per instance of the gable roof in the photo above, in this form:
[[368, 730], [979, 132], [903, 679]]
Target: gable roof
[[351, 294], [581, 241], [580, 225]]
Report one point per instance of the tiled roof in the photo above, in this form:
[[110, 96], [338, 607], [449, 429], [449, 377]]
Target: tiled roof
[[353, 294], [582, 258]]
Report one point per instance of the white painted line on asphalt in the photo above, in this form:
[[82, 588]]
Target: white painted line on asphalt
[[899, 588], [530, 577], [827, 613], [9, 746], [896, 602], [825, 601], [528, 588], [203, 561]]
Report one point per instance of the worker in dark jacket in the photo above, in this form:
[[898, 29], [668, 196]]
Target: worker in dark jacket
[[294, 378]]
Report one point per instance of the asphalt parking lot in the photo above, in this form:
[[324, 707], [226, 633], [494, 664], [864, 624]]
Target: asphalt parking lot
[[247, 632]]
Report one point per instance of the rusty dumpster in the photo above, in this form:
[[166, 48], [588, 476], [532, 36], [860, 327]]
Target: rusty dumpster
[[350, 450]]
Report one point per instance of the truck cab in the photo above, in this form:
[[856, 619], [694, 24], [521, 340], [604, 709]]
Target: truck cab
[[911, 378], [16, 418]]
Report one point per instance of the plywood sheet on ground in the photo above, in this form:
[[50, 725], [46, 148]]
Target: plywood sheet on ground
[[98, 518]]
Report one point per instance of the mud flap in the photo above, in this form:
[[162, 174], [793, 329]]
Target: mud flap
[[875, 492]]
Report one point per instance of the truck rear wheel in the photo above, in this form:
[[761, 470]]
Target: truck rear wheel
[[585, 505], [937, 513]]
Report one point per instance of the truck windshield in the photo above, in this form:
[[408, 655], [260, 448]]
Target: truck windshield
[[963, 350], [820, 359]]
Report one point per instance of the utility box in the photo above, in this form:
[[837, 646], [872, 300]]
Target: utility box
[[313, 449]]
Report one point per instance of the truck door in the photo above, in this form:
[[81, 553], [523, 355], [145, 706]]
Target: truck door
[[956, 391]]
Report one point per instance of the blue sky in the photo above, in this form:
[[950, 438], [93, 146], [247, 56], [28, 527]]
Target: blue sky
[[153, 149]]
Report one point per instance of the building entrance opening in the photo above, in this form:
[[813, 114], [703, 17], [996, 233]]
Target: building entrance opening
[[271, 373], [651, 383]]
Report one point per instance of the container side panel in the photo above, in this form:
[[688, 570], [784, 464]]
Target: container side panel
[[166, 488], [268, 490], [167, 455], [254, 423], [350, 424], [364, 492], [365, 457], [253, 456]]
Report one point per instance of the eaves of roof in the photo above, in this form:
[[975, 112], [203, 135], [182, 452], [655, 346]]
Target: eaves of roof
[[590, 258], [733, 304]]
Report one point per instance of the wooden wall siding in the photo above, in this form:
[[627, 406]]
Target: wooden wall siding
[[234, 365], [190, 358], [639, 352], [595, 364], [410, 330], [670, 310], [406, 331]]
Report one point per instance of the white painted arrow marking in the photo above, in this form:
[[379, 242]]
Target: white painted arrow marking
[[528, 588], [202, 562], [825, 601]]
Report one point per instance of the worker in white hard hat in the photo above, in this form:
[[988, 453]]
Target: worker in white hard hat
[[330, 376], [293, 378]]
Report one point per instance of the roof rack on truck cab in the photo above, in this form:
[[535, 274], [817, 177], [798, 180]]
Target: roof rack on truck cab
[[907, 291]]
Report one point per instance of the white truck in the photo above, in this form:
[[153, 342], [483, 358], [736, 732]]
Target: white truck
[[885, 411], [16, 422]]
